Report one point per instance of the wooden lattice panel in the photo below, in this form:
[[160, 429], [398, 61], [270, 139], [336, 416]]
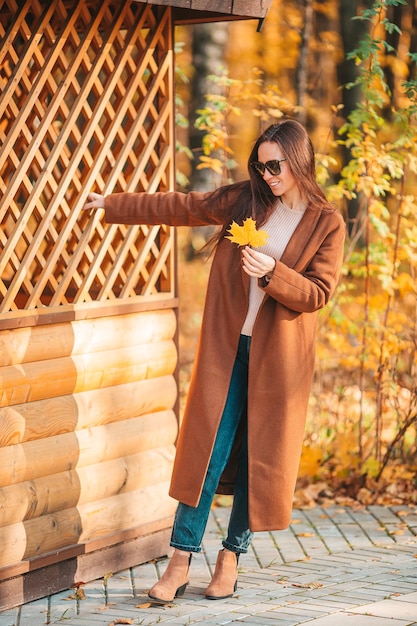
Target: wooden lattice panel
[[86, 103]]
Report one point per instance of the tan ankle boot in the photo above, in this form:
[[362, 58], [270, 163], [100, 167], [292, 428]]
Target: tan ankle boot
[[174, 580], [224, 581]]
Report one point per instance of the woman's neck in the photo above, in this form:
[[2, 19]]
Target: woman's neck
[[297, 202]]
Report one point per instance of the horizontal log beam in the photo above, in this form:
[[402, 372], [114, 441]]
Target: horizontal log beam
[[69, 451], [63, 376], [55, 416], [84, 523], [57, 492], [53, 341], [84, 311]]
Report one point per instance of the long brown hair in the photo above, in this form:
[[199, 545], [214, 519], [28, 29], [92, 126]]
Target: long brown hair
[[254, 197]]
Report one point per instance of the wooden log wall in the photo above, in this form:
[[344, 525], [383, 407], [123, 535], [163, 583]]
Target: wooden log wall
[[88, 311], [87, 432]]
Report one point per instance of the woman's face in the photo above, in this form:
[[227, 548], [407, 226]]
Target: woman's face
[[281, 184]]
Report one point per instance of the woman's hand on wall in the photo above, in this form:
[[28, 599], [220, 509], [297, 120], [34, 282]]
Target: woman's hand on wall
[[94, 201], [257, 264]]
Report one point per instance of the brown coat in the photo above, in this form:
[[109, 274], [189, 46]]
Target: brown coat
[[282, 353]]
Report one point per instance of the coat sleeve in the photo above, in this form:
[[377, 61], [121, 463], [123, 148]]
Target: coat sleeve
[[309, 285], [171, 208]]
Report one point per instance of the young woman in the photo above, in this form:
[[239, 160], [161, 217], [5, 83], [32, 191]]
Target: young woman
[[243, 426]]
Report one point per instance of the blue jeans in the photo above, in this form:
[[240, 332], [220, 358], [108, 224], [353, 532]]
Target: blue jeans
[[190, 522]]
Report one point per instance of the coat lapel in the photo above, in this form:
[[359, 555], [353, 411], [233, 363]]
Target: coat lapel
[[300, 238]]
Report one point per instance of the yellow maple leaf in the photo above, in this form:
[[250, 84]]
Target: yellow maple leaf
[[247, 234]]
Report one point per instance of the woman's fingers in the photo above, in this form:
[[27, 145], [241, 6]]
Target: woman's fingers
[[251, 263], [94, 201], [256, 263]]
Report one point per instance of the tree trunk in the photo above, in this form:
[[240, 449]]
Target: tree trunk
[[404, 16], [352, 32], [208, 56], [302, 69]]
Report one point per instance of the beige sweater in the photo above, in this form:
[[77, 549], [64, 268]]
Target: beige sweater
[[280, 226]]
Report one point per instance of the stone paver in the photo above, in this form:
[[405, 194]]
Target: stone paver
[[334, 566]]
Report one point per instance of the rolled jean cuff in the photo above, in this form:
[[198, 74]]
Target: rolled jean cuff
[[185, 548], [235, 549]]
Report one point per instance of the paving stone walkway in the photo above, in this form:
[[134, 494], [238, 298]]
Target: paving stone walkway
[[334, 566]]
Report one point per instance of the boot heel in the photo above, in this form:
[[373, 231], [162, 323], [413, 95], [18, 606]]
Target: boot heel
[[180, 590]]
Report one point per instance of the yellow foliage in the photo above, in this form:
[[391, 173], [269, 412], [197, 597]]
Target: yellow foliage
[[311, 460], [399, 472], [371, 467], [247, 234], [405, 284], [214, 164], [345, 447]]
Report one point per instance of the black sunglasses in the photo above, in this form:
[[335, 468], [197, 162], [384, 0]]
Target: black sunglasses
[[273, 167]]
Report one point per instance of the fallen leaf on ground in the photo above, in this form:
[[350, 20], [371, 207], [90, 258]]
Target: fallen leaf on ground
[[122, 620], [222, 501], [79, 593], [312, 585], [306, 534], [148, 605]]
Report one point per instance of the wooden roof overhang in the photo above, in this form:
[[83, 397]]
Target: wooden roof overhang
[[198, 11]]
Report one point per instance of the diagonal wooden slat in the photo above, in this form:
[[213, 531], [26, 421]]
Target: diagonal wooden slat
[[83, 86], [102, 154], [26, 110], [151, 286], [70, 170]]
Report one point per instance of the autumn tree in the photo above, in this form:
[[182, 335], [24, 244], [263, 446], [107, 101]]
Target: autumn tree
[[363, 414], [375, 316]]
